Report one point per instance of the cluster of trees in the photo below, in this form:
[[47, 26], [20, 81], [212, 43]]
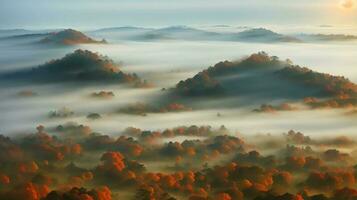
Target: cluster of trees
[[267, 108], [336, 102], [260, 73], [177, 131], [102, 193], [206, 83], [61, 113], [73, 162], [94, 116], [333, 85], [80, 66], [201, 84], [341, 91], [299, 138], [103, 94], [143, 108]]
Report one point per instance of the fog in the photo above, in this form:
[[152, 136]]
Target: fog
[[260, 125], [195, 56], [164, 63]]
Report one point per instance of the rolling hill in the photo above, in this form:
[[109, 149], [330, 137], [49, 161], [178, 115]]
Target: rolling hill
[[268, 78], [80, 66], [69, 37]]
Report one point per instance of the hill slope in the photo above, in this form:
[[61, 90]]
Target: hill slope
[[261, 76], [79, 66]]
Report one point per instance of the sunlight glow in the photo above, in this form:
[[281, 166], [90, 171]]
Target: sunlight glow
[[347, 4]]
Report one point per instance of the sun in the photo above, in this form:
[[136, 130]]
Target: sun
[[347, 4]]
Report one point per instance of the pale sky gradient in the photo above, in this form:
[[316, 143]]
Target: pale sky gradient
[[87, 14]]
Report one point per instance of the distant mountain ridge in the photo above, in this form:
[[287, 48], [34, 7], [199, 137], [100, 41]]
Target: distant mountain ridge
[[264, 35], [17, 32], [189, 33], [260, 35], [29, 38], [326, 37], [122, 28], [255, 35]]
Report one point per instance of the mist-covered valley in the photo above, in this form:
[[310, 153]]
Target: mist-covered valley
[[178, 113], [163, 64]]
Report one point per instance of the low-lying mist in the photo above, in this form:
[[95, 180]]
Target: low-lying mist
[[116, 140], [164, 63]]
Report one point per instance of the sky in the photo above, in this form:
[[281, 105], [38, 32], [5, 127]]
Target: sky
[[87, 14]]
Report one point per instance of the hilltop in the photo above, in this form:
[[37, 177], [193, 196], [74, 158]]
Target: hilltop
[[264, 77], [69, 37], [79, 66]]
